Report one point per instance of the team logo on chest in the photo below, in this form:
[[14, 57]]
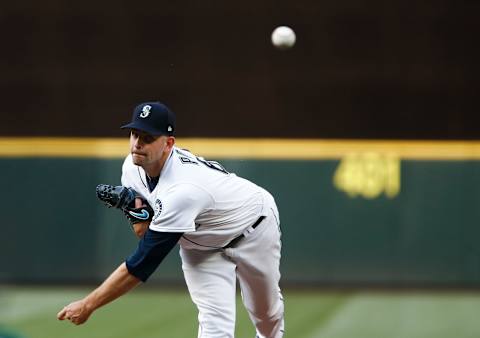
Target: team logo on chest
[[157, 209], [145, 111]]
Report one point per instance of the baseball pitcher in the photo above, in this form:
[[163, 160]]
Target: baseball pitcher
[[228, 229]]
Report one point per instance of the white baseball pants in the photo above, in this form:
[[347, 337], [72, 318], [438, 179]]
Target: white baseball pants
[[211, 279]]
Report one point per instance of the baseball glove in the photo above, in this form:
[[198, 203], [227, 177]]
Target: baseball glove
[[123, 198]]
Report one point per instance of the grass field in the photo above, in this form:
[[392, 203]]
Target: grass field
[[148, 313]]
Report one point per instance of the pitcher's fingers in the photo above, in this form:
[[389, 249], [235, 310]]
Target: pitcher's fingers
[[61, 314]]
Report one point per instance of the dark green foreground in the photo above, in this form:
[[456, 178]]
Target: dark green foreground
[[314, 314]]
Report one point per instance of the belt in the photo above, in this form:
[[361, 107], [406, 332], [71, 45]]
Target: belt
[[234, 241]]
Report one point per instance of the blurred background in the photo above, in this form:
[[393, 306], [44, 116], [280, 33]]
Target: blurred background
[[365, 132]]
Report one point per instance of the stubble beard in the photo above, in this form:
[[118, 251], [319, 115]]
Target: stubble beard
[[138, 160]]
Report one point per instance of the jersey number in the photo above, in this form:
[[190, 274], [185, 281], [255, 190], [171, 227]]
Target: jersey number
[[211, 164]]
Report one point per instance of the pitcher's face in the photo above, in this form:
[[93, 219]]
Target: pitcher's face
[[147, 149]]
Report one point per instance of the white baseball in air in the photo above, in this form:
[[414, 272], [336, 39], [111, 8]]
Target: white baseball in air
[[283, 37]]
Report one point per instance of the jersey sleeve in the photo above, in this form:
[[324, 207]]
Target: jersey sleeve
[[126, 175], [151, 250], [177, 209]]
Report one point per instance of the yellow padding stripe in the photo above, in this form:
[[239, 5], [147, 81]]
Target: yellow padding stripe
[[295, 149]]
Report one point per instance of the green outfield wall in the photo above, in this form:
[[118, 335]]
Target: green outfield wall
[[362, 219]]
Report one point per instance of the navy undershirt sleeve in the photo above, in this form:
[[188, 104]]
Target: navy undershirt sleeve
[[151, 250]]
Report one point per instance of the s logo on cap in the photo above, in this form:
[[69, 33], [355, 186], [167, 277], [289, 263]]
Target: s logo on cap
[[145, 111]]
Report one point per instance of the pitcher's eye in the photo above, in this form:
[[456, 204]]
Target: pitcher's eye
[[148, 138]]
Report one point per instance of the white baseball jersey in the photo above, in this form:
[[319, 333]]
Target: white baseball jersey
[[199, 198]]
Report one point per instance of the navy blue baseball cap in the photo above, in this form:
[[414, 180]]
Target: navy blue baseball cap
[[154, 118]]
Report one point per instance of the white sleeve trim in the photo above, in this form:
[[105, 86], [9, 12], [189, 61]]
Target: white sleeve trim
[[164, 229]]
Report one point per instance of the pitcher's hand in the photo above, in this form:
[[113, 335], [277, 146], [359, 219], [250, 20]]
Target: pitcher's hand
[[76, 312]]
